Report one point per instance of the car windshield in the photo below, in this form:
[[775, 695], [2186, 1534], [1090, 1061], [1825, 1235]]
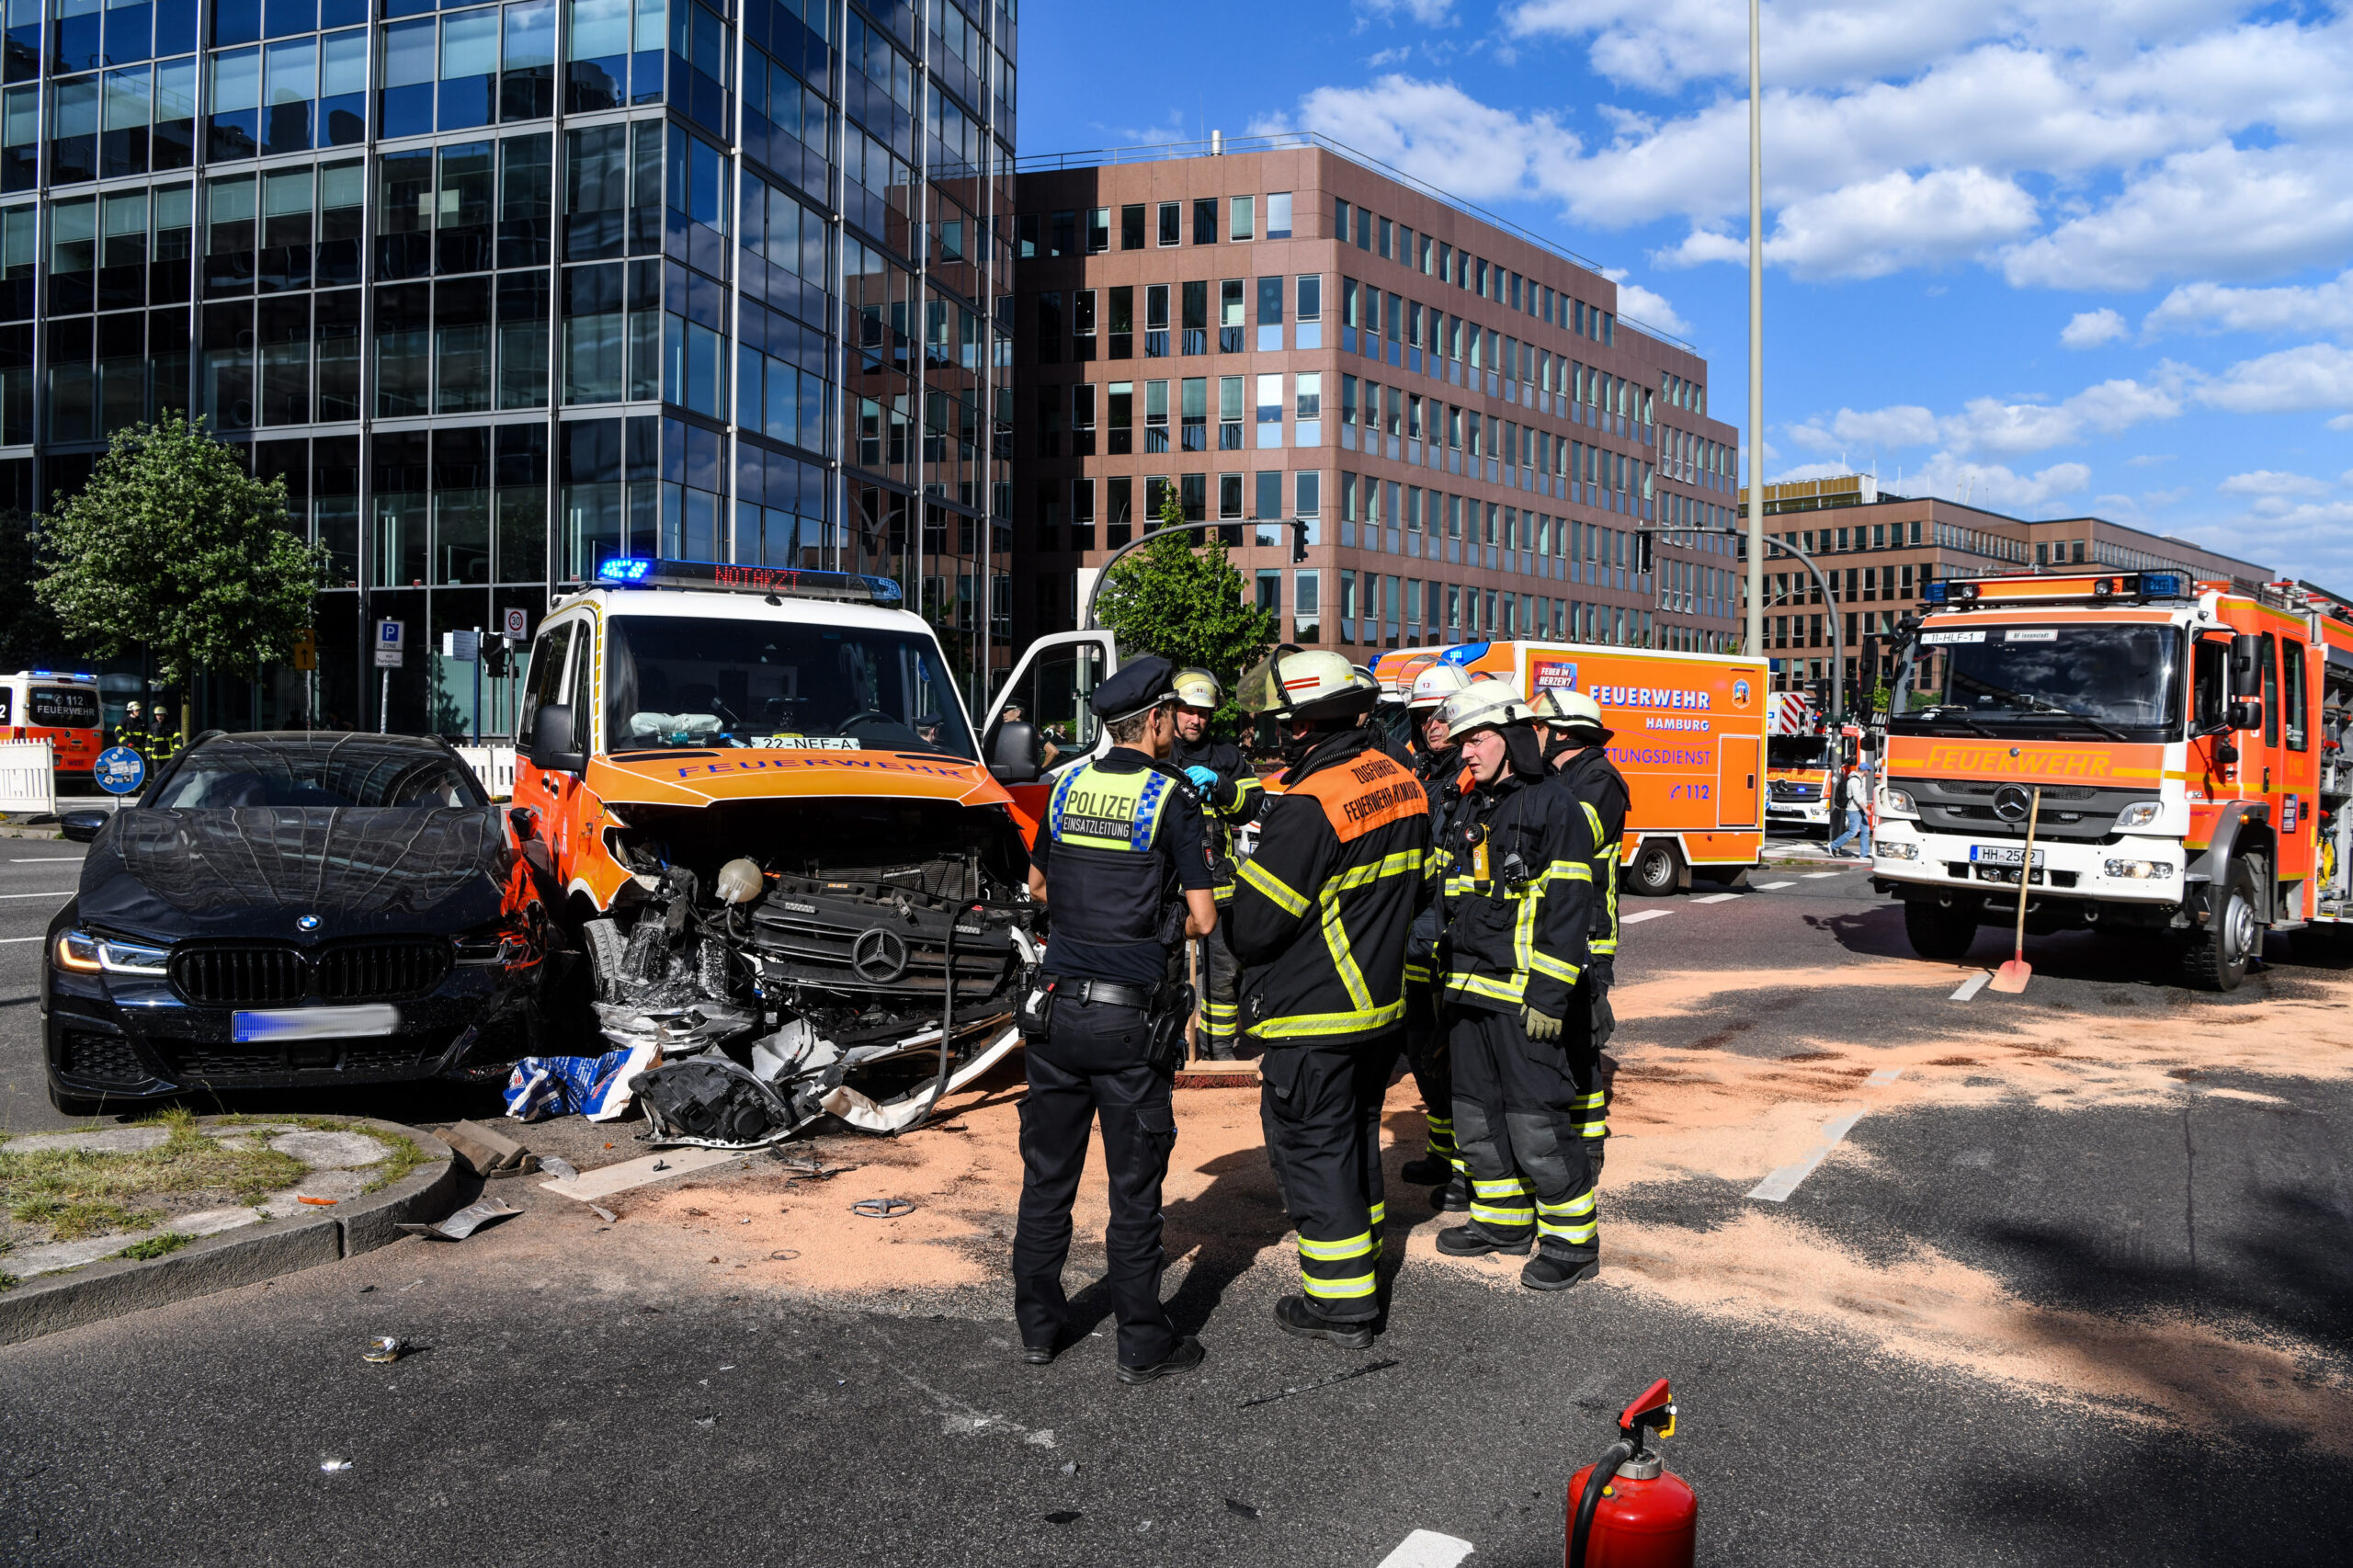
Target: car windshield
[[62, 708], [1796, 751], [674, 681], [2111, 678], [345, 770]]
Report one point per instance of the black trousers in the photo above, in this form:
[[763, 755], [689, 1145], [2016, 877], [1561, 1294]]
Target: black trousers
[[1095, 1060], [1220, 985], [1320, 1106], [1517, 1113], [1433, 1066]]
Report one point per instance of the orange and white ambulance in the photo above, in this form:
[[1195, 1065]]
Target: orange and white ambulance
[[1688, 730], [2177, 748], [61, 709], [755, 796]]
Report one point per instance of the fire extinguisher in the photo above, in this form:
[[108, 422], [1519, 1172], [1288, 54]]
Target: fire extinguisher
[[1626, 1509]]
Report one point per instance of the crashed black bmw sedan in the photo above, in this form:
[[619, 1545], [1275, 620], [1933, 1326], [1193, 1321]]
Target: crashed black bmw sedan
[[292, 910]]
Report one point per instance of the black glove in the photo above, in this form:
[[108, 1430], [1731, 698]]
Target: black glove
[[1602, 972]]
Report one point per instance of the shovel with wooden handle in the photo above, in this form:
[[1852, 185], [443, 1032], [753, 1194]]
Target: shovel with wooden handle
[[2012, 976]]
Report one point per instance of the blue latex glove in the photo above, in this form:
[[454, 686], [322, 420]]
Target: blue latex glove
[[1204, 780]]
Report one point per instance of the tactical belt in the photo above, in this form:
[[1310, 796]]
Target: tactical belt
[[1141, 997]]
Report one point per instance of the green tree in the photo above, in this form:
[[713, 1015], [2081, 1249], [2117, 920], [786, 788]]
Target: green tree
[[1190, 605], [172, 544]]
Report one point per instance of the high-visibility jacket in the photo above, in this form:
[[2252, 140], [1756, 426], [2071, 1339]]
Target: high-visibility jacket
[[1443, 775], [1514, 875], [1592, 778], [1121, 840], [1237, 799], [1320, 913]]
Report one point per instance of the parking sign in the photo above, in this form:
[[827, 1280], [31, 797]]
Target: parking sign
[[389, 643]]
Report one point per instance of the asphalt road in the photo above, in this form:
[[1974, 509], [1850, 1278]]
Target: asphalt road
[[37, 875], [572, 1407]]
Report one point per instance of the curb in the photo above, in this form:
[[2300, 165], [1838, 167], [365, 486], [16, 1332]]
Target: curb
[[101, 1290]]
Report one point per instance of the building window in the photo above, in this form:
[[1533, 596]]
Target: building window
[[1308, 490], [1308, 408], [1270, 315], [1132, 226], [1270, 410], [1205, 221], [1155, 416], [1098, 229], [1120, 418], [1172, 226], [1230, 324], [1155, 320], [1229, 496], [1266, 503], [1278, 215], [1228, 414], [1194, 412], [1307, 294], [1306, 605], [1196, 318], [1270, 590], [1242, 221]]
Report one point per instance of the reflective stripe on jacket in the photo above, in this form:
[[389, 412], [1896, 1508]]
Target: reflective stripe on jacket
[[1517, 928]]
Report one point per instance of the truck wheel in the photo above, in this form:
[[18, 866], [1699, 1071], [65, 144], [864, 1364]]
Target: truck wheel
[[1655, 870], [1940, 931], [2217, 955], [602, 940]]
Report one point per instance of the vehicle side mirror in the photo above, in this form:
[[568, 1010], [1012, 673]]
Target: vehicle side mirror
[[553, 749], [1017, 753], [83, 825], [525, 821], [2247, 666], [2245, 716]]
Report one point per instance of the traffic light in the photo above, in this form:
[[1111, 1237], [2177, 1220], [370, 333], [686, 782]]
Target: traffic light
[[1298, 542]]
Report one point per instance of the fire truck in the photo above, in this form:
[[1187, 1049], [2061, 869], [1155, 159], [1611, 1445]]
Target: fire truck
[[1800, 759], [2173, 746]]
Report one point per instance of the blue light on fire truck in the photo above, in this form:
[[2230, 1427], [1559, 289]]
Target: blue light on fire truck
[[2164, 586], [1934, 592]]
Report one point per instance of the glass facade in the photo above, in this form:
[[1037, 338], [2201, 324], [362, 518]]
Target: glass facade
[[503, 291]]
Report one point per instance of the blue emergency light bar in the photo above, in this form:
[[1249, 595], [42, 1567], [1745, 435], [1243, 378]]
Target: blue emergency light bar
[[61, 675], [643, 571]]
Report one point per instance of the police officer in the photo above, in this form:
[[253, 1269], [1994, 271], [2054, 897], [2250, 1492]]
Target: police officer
[[1516, 912], [1578, 745], [1438, 762], [1121, 865], [1320, 917], [1231, 796]]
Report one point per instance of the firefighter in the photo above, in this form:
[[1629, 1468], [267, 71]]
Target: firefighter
[[1515, 915], [1231, 796], [1121, 862], [1578, 747], [1439, 764], [1320, 917]]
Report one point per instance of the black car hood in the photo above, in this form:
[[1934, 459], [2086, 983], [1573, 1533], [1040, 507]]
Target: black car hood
[[255, 872]]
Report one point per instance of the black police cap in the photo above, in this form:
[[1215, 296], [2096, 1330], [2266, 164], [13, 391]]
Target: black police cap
[[1147, 683]]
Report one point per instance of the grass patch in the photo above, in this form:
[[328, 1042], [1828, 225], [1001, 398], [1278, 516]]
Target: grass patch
[[156, 1245], [83, 1192], [71, 1220], [9, 1281], [402, 1155]]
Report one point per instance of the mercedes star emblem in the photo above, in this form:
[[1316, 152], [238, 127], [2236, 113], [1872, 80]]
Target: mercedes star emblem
[[2010, 802], [879, 957]]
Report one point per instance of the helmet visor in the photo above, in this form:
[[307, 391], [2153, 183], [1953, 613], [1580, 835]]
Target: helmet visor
[[1261, 690]]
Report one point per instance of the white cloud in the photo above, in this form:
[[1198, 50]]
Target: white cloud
[[1430, 13], [2317, 375], [2089, 329], [2271, 481], [2149, 459], [2212, 307], [1651, 308], [1993, 485], [1884, 225], [1990, 425], [1434, 131]]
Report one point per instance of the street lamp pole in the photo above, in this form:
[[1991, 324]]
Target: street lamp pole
[[1755, 629]]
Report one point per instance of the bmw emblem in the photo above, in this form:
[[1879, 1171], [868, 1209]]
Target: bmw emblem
[[306, 922]]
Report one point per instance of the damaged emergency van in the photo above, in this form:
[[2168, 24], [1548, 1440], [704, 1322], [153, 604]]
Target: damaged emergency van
[[788, 877]]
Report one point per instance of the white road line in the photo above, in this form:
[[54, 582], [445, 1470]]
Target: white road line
[[61, 893], [1428, 1549], [1768, 887], [1972, 985], [1776, 1187], [7, 940], [40, 859], [1817, 876], [1718, 898], [1639, 915]]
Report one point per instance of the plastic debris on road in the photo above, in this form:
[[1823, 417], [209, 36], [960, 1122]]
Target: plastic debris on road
[[1237, 1506], [561, 1169], [883, 1208], [331, 1466], [465, 1221], [593, 1087]]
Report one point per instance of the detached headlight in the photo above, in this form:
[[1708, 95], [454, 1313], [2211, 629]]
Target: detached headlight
[[2140, 813], [1896, 803], [2141, 871], [86, 954], [1889, 849]]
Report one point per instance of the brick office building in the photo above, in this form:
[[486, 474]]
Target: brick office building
[[1876, 550], [1475, 438]]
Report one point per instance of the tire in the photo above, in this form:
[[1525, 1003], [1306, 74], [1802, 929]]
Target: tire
[[2217, 954], [1939, 931], [602, 940], [1655, 869]]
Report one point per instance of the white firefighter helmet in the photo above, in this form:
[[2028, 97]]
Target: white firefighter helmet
[[1571, 711], [1296, 683], [1196, 688], [1485, 705], [1435, 685]]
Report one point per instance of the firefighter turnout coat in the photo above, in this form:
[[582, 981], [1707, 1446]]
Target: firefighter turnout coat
[[1514, 870], [1320, 914], [1237, 799], [1593, 778]]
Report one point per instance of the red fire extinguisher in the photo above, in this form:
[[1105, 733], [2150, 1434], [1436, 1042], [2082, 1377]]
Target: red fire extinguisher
[[1625, 1509]]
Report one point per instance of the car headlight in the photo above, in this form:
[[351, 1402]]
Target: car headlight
[[86, 954], [509, 943], [2140, 813], [1896, 803], [1891, 850], [2141, 871]]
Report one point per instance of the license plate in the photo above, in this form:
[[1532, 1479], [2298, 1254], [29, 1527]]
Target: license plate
[[1999, 855], [313, 1023]]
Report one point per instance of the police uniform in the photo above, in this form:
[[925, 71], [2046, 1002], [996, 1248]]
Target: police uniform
[[1320, 920], [1588, 775], [1235, 799], [1516, 910], [1122, 842]]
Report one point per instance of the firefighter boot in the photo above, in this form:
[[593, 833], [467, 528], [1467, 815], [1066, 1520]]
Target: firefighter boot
[[1454, 1198], [1547, 1271], [1429, 1171], [1471, 1240], [1294, 1316]]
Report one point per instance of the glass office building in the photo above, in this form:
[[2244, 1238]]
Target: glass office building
[[503, 291]]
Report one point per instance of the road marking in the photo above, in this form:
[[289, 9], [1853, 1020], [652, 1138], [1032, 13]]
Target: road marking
[[1768, 887], [61, 893], [5, 940], [40, 859], [1717, 898], [1817, 876], [1639, 915], [1972, 985], [1776, 1187], [1428, 1549]]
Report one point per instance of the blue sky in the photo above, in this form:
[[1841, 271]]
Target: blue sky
[[2057, 258]]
